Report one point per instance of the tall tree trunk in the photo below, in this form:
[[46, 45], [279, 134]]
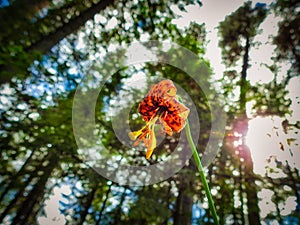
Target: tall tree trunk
[[250, 187], [183, 209], [167, 202], [241, 192], [47, 42], [36, 193], [44, 45], [294, 184], [235, 218], [13, 178], [118, 212], [16, 198], [243, 82], [184, 203], [87, 205], [276, 198], [17, 15], [21, 187], [103, 205], [226, 181]]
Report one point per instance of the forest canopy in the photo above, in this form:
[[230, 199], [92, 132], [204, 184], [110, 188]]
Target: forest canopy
[[72, 76]]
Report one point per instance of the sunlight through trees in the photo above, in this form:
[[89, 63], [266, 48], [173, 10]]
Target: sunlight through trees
[[49, 47]]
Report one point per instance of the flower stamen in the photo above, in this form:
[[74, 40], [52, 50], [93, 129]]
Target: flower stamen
[[161, 103]]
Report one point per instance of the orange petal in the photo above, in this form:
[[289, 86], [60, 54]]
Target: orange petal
[[167, 128], [147, 108], [155, 98], [149, 153], [174, 121]]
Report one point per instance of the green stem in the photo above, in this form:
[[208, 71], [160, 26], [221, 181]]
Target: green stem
[[202, 175]]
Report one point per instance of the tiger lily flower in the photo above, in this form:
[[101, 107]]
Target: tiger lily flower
[[160, 105]]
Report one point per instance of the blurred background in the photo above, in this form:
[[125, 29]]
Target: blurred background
[[248, 53]]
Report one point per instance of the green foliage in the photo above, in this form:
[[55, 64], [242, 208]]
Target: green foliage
[[236, 28], [151, 201], [237, 33], [270, 99], [287, 41], [38, 149]]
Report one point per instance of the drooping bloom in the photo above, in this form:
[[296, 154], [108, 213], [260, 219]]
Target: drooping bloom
[[160, 105]]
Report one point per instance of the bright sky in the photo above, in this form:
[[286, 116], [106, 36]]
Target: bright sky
[[264, 134], [262, 146], [262, 137]]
